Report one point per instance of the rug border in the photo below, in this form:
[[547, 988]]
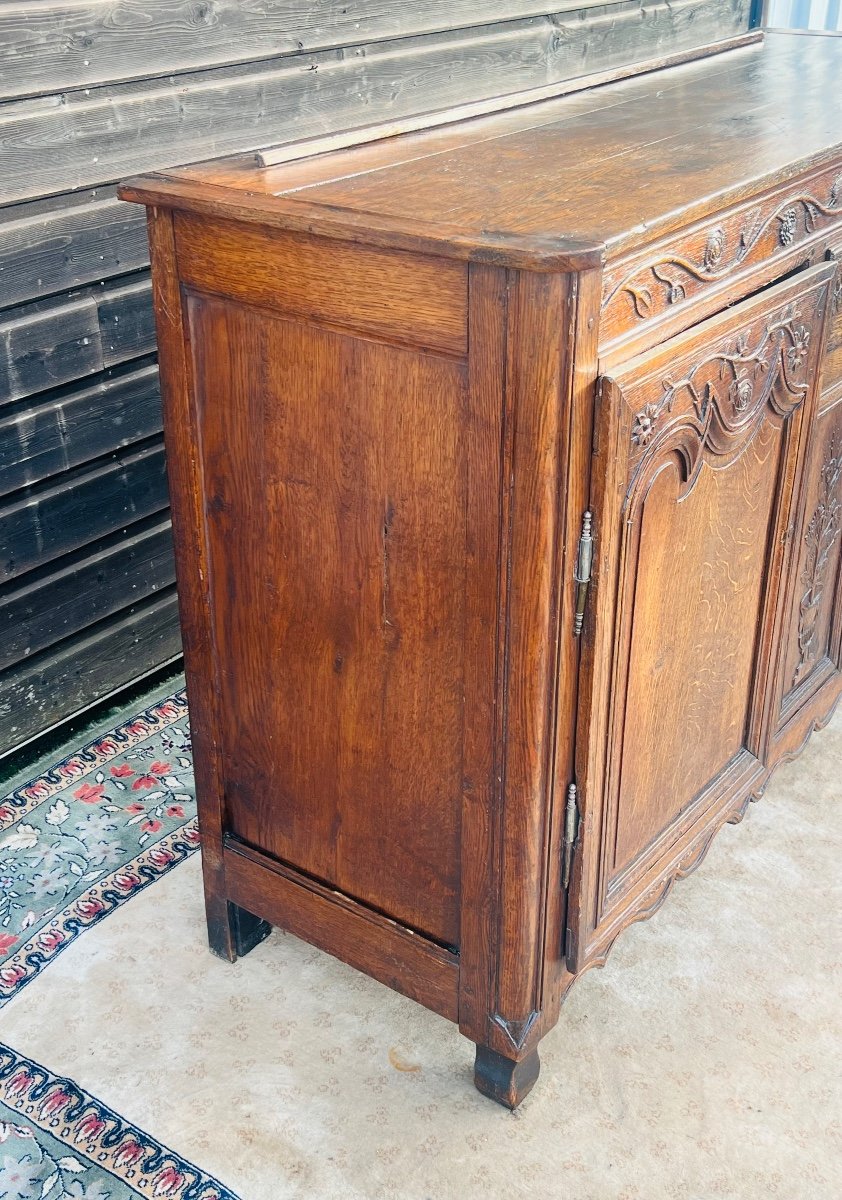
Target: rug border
[[58, 1106]]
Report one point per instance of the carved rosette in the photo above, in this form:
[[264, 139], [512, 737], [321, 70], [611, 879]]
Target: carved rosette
[[644, 425], [821, 536], [741, 391], [797, 352], [714, 249]]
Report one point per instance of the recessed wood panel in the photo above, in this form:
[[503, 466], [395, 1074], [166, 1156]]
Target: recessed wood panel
[[335, 502], [697, 590], [811, 645]]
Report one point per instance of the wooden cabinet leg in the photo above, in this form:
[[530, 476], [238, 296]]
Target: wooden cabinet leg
[[232, 931], [503, 1079]]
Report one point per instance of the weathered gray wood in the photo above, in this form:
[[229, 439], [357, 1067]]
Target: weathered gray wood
[[126, 321], [51, 342], [53, 245], [41, 691], [45, 522], [61, 599], [64, 430], [57, 144], [80, 43]]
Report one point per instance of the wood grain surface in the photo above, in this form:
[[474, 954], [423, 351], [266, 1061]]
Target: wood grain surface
[[520, 186]]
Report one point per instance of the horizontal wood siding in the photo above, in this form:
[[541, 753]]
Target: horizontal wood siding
[[69, 427], [53, 245], [39, 692], [40, 524], [48, 343], [96, 582], [57, 143], [81, 43], [94, 90]]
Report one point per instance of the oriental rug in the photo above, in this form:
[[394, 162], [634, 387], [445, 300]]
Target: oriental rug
[[59, 1143], [90, 832]]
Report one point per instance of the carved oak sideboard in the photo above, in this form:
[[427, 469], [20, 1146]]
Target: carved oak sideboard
[[506, 465]]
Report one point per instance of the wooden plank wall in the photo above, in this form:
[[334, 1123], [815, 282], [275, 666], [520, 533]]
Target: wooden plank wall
[[93, 90]]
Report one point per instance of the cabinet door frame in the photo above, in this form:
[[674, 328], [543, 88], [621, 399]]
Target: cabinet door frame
[[805, 702], [640, 419]]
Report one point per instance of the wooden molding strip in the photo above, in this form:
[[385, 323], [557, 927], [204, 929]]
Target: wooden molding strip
[[308, 147], [405, 961]]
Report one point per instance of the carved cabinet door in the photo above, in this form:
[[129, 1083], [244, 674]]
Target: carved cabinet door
[[699, 451], [808, 677]]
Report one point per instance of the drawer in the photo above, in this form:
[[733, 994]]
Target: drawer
[[666, 286]]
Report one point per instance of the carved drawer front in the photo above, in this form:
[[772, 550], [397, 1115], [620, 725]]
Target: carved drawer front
[[808, 677], [708, 264], [832, 375], [699, 447]]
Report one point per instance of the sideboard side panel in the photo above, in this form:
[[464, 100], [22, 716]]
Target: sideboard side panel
[[334, 473]]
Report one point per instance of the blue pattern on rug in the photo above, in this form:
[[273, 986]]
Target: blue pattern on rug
[[89, 833], [59, 1143]]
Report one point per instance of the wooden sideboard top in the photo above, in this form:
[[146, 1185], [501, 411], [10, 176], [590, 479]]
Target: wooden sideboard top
[[562, 183]]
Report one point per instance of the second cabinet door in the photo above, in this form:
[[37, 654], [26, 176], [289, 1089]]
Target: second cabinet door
[[700, 449], [808, 680]]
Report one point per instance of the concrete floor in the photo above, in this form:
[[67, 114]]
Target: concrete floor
[[703, 1062]]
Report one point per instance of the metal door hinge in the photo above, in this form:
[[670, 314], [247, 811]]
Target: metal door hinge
[[582, 573], [571, 828]]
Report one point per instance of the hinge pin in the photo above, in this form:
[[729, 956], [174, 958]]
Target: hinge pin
[[571, 825], [582, 574]]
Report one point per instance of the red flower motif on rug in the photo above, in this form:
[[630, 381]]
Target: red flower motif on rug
[[88, 794], [72, 849]]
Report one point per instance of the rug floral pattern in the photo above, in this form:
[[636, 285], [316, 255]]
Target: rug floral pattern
[[59, 1143], [90, 833]]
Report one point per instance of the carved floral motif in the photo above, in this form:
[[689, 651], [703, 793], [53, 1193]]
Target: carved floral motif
[[789, 223], [796, 354], [822, 533], [741, 390], [714, 249], [733, 381], [644, 425], [665, 281]]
